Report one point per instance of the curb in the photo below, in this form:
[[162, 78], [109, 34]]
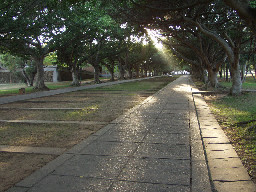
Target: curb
[[226, 170]]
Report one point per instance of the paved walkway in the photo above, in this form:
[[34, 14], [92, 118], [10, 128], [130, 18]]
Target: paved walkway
[[156, 146]]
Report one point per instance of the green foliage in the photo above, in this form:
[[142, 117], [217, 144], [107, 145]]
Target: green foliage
[[11, 62], [252, 3], [50, 59], [15, 64], [29, 26]]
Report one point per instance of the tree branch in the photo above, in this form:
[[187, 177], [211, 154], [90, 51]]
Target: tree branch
[[196, 3], [244, 10], [215, 37]]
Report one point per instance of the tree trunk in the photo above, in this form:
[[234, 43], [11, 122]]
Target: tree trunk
[[111, 71], [28, 82], [121, 71], [75, 74], [213, 78], [141, 72], [220, 72], [32, 76], [145, 72], [96, 73], [236, 79], [112, 75], [75, 78], [40, 85], [243, 75], [137, 72], [130, 73], [199, 73]]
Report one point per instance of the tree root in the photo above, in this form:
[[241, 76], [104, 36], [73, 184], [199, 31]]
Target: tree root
[[41, 88]]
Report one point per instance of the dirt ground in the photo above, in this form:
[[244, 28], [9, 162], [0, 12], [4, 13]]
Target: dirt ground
[[15, 166], [92, 105]]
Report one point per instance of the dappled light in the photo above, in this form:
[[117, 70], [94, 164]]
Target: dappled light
[[119, 105], [80, 114], [156, 38], [164, 56], [182, 88]]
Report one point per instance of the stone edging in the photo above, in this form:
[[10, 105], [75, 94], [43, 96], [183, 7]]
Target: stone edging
[[225, 168]]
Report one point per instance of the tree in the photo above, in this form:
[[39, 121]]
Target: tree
[[246, 10], [212, 19], [31, 32], [206, 53], [14, 64]]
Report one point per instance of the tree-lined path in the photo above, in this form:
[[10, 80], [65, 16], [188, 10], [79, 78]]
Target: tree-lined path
[[155, 146]]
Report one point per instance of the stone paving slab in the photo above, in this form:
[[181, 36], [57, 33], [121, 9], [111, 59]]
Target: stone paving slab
[[244, 186], [65, 183], [128, 186], [37, 176], [110, 148], [169, 129], [123, 136], [200, 176], [54, 122], [163, 151], [134, 153], [172, 122], [225, 163], [173, 115], [107, 167], [230, 174], [217, 140], [170, 139], [220, 151], [26, 149], [41, 109], [162, 171]]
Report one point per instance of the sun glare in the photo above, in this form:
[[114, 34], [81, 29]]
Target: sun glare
[[155, 37]]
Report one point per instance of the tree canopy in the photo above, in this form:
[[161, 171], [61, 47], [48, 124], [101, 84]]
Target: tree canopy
[[110, 33]]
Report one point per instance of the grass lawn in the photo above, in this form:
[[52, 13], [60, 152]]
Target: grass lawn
[[15, 90], [249, 83], [149, 84], [46, 135], [102, 105]]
